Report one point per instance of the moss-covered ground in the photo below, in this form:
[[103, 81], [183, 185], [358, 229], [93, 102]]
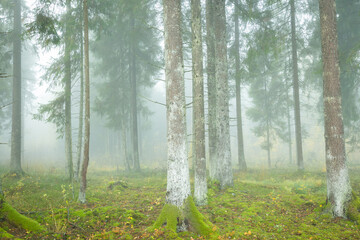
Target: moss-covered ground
[[263, 204]]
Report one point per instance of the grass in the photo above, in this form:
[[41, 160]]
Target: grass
[[274, 204]]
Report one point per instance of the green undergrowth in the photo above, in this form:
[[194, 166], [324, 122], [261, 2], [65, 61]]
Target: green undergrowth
[[275, 204]]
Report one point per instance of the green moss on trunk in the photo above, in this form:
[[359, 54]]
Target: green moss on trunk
[[353, 209], [9, 214], [4, 234], [186, 218]]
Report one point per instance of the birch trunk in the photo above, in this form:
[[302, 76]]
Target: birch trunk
[[211, 85], [338, 182], [200, 190], [240, 138], [223, 171], [15, 164], [68, 130], [299, 153], [82, 197]]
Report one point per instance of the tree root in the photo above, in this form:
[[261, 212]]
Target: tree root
[[187, 218]]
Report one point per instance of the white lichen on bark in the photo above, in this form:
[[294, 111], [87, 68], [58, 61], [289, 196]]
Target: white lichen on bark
[[223, 170], [178, 180]]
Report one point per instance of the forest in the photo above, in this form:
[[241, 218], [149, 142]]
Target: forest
[[179, 119]]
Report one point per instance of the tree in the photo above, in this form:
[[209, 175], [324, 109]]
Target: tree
[[338, 182], [211, 85], [82, 197], [15, 163], [81, 108], [179, 213], [200, 191], [223, 170], [240, 138], [299, 154]]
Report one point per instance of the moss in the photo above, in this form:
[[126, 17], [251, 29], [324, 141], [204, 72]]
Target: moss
[[171, 217], [353, 209], [19, 220], [196, 219], [4, 234]]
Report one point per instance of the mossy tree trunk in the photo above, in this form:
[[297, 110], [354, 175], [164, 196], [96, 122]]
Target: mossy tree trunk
[[338, 183], [10, 217], [179, 213]]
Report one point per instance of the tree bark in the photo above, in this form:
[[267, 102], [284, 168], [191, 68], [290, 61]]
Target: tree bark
[[81, 110], [82, 197], [223, 171], [200, 190], [15, 164], [299, 153], [211, 86], [338, 182], [68, 130], [134, 117], [240, 138], [178, 183]]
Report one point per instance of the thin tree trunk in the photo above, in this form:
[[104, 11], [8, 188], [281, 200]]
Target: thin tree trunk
[[223, 152], [211, 86], [200, 190], [267, 126], [288, 117], [82, 197], [135, 136], [81, 110], [240, 138], [15, 164], [124, 146], [338, 182], [68, 130], [299, 153]]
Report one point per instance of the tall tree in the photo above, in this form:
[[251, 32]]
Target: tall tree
[[67, 59], [15, 164], [82, 196], [81, 108], [176, 214], [240, 138], [200, 191], [299, 153], [223, 171], [338, 182], [211, 85]]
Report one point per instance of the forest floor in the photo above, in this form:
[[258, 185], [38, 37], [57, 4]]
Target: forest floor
[[263, 204]]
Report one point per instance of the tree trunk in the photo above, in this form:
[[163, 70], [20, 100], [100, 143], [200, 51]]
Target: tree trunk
[[200, 190], [299, 153], [288, 113], [81, 110], [134, 117], [211, 86], [124, 146], [68, 130], [240, 138], [179, 212], [223, 171], [82, 197], [267, 125], [15, 164], [338, 182]]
